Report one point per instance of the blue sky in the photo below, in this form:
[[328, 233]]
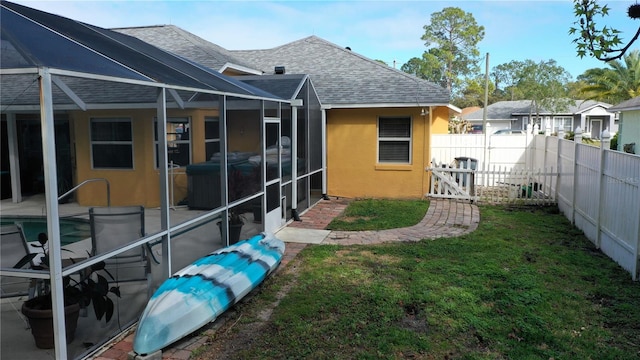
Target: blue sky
[[384, 30]]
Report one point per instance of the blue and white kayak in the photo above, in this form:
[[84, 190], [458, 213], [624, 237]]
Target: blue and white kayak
[[199, 293]]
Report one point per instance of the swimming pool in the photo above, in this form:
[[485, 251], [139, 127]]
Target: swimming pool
[[71, 229]]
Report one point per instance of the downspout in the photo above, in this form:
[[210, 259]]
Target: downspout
[[295, 103], [426, 148], [324, 155]]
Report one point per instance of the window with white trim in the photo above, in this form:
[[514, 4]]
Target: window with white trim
[[111, 143], [394, 140], [562, 122], [178, 141], [211, 136]]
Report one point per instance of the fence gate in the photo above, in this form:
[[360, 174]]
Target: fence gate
[[452, 182], [462, 180]]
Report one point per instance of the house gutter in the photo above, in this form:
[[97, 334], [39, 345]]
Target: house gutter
[[388, 105], [324, 154]]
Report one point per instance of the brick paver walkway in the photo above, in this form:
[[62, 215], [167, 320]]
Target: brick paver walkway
[[445, 218], [321, 214]]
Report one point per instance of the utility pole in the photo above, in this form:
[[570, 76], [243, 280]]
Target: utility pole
[[486, 96], [485, 160]]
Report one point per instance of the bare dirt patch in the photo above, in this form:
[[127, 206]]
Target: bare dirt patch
[[239, 327]]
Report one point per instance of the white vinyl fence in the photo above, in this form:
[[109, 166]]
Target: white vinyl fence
[[597, 189]]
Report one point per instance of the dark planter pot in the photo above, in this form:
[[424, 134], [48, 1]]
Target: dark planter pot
[[234, 232], [41, 323]]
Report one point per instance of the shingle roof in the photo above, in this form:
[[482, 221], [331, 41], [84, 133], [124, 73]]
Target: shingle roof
[[185, 44], [284, 86], [343, 77], [505, 110], [502, 110], [631, 104], [340, 76]]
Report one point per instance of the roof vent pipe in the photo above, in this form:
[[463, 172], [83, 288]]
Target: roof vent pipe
[[279, 70]]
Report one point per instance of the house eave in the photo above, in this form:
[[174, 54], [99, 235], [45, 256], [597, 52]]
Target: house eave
[[592, 107], [387, 105], [239, 68]]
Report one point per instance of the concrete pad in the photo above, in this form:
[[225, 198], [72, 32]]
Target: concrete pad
[[304, 236]]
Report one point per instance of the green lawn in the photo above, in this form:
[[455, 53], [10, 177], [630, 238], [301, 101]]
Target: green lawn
[[373, 214], [524, 285]]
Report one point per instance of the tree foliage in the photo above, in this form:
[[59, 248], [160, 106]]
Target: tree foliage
[[544, 83], [506, 77], [428, 67], [603, 43], [472, 93], [619, 82], [451, 37]]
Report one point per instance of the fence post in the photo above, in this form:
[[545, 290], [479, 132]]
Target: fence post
[[636, 271], [527, 150], [577, 140], [536, 130], [604, 145], [487, 153], [559, 163]]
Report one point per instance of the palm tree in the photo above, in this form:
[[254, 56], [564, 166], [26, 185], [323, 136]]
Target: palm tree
[[621, 81]]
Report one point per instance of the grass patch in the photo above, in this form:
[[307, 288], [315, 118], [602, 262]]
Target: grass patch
[[525, 285], [375, 214]]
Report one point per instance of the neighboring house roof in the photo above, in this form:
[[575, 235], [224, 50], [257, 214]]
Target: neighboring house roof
[[582, 106], [502, 110], [469, 110], [631, 104], [344, 78], [506, 110], [188, 45]]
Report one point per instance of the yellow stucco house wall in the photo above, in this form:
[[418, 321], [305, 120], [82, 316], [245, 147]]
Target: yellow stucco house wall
[[140, 185], [353, 170]]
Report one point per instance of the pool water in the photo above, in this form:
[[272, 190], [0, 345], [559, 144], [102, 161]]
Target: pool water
[[71, 229]]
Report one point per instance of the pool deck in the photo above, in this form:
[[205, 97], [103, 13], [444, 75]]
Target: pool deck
[[16, 339]]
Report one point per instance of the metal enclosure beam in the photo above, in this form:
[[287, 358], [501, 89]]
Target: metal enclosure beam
[[53, 222]]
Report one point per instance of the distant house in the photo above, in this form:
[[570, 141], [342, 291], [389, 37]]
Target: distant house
[[378, 119], [592, 117], [629, 130]]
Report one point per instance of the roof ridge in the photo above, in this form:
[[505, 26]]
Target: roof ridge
[[212, 49], [140, 27], [373, 61], [317, 39]]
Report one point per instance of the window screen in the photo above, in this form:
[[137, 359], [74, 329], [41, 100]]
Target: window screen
[[394, 140]]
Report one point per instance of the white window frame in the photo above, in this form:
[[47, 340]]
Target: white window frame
[[408, 139], [557, 119], [111, 142], [182, 119]]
